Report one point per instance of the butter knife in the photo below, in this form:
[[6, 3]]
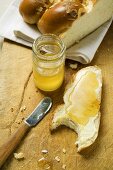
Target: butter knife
[[23, 36], [35, 117]]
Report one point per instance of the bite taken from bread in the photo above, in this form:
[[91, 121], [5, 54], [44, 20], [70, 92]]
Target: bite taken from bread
[[81, 108]]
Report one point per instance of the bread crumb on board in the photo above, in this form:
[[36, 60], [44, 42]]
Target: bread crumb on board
[[64, 150], [44, 151], [41, 159], [23, 108], [43, 162], [48, 167], [20, 120], [12, 109], [64, 166], [73, 66], [19, 156], [57, 158]]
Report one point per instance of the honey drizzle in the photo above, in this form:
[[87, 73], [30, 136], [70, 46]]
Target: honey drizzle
[[84, 103]]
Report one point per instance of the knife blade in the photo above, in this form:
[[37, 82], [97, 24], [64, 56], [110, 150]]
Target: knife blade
[[39, 112], [23, 36]]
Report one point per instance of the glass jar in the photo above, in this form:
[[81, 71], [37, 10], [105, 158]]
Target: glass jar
[[48, 62]]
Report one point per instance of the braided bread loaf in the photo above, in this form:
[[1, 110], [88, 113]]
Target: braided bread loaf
[[70, 19]]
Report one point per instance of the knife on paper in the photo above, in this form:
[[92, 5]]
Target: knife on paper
[[35, 117]]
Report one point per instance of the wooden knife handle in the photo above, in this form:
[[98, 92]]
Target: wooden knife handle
[[7, 148]]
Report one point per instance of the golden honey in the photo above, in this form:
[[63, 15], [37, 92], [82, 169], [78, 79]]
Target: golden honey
[[49, 82], [48, 62], [83, 99]]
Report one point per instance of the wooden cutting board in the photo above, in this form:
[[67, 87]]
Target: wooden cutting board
[[17, 90]]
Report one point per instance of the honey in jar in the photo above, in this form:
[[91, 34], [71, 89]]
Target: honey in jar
[[48, 62]]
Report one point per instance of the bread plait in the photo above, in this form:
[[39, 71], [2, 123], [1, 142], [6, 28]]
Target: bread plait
[[60, 16], [32, 10], [72, 20]]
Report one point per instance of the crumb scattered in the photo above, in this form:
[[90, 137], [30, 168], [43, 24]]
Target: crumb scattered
[[64, 150], [12, 109], [73, 66], [108, 49], [44, 151], [18, 122], [57, 158], [29, 97], [23, 108], [64, 166], [41, 159], [19, 156], [22, 118], [48, 167]]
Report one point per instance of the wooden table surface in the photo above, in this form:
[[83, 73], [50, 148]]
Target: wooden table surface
[[17, 90]]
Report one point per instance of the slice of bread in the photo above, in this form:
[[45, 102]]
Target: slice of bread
[[84, 25], [80, 110]]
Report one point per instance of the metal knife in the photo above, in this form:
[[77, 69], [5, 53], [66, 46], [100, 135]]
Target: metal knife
[[23, 36], [40, 111]]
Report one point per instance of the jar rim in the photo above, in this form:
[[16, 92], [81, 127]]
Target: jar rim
[[54, 56]]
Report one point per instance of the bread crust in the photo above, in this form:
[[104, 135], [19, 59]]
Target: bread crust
[[32, 10], [59, 17], [56, 16]]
